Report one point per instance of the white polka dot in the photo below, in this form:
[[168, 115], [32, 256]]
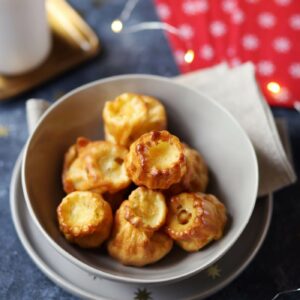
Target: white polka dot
[[186, 31], [283, 2], [250, 42], [265, 68], [282, 44], [163, 11], [179, 57], [295, 22], [238, 16], [235, 62], [229, 6], [283, 95], [206, 52], [217, 28], [266, 20], [193, 7], [294, 70]]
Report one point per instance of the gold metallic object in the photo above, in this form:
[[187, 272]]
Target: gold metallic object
[[73, 43]]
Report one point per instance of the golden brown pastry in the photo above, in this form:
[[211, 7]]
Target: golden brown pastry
[[196, 177], [69, 158], [95, 166], [156, 160], [195, 219], [130, 115], [146, 209], [85, 219], [134, 246]]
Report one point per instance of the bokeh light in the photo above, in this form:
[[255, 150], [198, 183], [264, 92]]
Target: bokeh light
[[116, 26], [274, 87], [189, 56]]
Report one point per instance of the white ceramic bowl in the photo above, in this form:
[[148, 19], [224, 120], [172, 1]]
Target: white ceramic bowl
[[195, 118]]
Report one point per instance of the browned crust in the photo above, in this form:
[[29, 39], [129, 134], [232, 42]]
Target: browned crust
[[139, 220], [136, 247], [69, 158], [206, 223], [152, 116], [83, 151], [87, 235], [139, 169], [196, 177], [174, 206]]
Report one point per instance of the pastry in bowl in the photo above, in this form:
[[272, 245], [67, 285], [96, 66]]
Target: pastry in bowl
[[95, 166], [146, 209], [134, 246], [196, 177], [130, 115], [78, 113], [195, 219], [85, 219], [156, 160]]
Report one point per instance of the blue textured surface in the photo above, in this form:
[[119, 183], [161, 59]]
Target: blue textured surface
[[276, 267]]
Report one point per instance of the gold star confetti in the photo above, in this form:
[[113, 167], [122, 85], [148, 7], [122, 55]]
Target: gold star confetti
[[142, 294], [214, 271], [3, 131]]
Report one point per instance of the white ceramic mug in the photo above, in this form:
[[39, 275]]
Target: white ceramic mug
[[24, 35]]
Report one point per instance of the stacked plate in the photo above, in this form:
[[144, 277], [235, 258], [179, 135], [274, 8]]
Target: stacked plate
[[206, 271]]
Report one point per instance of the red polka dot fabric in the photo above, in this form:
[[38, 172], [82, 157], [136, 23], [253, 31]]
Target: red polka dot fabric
[[266, 32]]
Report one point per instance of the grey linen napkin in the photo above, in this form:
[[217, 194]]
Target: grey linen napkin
[[235, 89]]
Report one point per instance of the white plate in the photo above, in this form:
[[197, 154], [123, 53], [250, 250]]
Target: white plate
[[78, 282]]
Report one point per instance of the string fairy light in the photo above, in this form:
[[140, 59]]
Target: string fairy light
[[274, 87], [128, 9], [189, 56], [152, 26], [117, 26]]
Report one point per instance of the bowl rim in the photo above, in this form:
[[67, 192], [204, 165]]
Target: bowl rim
[[124, 278]]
